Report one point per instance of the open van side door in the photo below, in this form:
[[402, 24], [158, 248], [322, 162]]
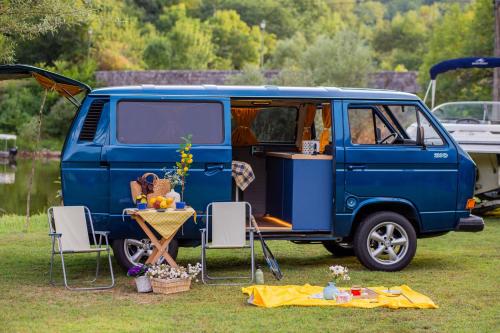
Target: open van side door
[[145, 133]]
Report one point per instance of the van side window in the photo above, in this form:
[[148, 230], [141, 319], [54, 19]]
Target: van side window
[[390, 125], [165, 122], [362, 126], [275, 124]]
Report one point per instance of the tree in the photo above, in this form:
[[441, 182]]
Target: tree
[[27, 19], [403, 40], [251, 75], [463, 32], [234, 40], [191, 40]]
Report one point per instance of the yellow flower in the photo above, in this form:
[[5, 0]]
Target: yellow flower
[[190, 155], [179, 171], [188, 147], [190, 161], [184, 155], [186, 169]]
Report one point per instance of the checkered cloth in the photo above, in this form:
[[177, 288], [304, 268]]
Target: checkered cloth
[[243, 174]]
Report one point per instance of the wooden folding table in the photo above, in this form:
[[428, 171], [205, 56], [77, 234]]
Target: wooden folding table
[[166, 223]]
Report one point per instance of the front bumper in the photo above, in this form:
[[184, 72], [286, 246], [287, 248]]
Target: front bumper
[[472, 223]]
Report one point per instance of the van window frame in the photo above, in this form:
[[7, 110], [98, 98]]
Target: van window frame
[[367, 104], [115, 100]]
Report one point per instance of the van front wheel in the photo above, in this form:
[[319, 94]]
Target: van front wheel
[[131, 252], [385, 241]]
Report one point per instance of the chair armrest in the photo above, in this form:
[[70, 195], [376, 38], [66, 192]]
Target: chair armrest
[[104, 233], [54, 234]]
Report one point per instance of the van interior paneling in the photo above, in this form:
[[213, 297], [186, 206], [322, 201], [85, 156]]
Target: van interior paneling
[[256, 155]]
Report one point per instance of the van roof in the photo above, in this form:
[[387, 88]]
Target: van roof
[[256, 91]]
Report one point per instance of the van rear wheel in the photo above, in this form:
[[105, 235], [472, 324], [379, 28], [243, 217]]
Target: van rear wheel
[[131, 252], [385, 241]]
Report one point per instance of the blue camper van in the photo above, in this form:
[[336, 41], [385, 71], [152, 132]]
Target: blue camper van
[[388, 173]]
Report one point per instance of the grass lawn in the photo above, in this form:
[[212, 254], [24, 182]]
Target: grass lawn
[[459, 271]]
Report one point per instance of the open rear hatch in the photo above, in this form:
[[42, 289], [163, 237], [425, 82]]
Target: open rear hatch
[[63, 85]]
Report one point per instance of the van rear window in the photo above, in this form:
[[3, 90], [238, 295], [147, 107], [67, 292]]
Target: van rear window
[[165, 122]]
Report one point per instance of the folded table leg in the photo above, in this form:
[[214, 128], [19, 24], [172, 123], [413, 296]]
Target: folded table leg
[[160, 246]]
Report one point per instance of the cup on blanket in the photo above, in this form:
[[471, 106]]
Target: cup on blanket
[[180, 205]]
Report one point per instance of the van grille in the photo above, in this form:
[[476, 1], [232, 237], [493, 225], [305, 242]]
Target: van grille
[[90, 124]]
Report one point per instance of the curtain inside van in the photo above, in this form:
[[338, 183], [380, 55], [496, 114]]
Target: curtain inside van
[[326, 115], [309, 120], [243, 135]]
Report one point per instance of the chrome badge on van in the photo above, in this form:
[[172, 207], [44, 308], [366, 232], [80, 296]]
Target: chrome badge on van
[[440, 155]]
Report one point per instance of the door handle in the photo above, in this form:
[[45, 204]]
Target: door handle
[[352, 167], [212, 169]]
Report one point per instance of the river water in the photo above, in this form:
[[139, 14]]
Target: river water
[[14, 185]]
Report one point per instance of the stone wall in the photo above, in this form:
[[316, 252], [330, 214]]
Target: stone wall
[[402, 81]]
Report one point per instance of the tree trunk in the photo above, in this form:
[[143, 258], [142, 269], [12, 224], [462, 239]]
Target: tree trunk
[[32, 174]]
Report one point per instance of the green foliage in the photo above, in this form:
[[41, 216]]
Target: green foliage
[[461, 33], [27, 19], [193, 45], [234, 40], [251, 75]]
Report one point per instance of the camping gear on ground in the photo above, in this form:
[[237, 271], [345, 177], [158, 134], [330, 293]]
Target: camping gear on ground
[[274, 296], [143, 284], [163, 286], [330, 291], [356, 291], [167, 279], [259, 276], [227, 224], [166, 223], [343, 297], [268, 255], [68, 227], [310, 147], [151, 188]]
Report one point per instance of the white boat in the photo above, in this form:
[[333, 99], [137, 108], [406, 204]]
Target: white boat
[[8, 152], [475, 125]]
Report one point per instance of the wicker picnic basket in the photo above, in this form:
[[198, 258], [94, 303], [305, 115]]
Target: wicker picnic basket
[[160, 186], [163, 286]]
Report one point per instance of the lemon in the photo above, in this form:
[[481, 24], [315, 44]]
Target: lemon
[[152, 201], [164, 204]]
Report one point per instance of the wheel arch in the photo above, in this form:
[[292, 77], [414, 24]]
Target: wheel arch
[[373, 205]]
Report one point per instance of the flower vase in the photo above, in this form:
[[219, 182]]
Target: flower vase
[[330, 291], [143, 284]]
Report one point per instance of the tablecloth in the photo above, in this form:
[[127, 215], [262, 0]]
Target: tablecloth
[[274, 296], [166, 222]]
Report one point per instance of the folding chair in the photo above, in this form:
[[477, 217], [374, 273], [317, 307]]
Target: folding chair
[[227, 224], [68, 225]]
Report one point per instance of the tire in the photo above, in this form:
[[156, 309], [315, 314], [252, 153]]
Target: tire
[[379, 248], [124, 259], [339, 249]]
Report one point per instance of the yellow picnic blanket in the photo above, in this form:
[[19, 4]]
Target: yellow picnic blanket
[[167, 222], [274, 296]]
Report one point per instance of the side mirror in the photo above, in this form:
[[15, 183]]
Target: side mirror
[[420, 136]]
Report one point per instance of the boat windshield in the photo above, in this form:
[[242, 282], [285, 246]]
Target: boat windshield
[[468, 112]]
